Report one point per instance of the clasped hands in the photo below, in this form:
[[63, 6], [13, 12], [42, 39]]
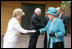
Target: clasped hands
[[51, 34]]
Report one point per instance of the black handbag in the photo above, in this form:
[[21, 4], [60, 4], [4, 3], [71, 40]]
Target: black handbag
[[58, 45]]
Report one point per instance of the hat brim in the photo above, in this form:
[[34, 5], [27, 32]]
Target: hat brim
[[51, 13]]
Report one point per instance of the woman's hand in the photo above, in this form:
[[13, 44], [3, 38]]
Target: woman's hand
[[33, 31]]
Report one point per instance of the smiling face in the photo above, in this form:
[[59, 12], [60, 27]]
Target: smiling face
[[19, 16], [50, 16], [59, 11], [38, 12]]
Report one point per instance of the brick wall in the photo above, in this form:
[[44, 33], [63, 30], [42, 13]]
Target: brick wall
[[7, 8]]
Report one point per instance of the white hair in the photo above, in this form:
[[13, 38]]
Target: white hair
[[37, 9]]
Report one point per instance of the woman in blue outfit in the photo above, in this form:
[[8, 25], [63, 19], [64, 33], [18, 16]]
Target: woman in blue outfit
[[55, 30]]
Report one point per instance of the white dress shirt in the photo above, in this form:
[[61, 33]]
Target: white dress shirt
[[60, 15]]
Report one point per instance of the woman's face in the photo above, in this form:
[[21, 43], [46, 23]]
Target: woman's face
[[19, 16], [49, 16]]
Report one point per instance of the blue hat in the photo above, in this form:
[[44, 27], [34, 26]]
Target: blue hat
[[52, 11]]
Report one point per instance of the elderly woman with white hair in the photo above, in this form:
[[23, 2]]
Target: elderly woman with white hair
[[55, 30], [12, 33]]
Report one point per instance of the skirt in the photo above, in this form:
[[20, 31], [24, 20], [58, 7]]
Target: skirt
[[8, 44]]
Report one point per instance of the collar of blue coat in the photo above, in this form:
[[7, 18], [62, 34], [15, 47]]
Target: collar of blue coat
[[54, 19]]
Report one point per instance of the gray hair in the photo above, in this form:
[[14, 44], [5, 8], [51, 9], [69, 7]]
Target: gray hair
[[37, 9]]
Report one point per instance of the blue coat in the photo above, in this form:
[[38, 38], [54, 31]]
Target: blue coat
[[57, 28]]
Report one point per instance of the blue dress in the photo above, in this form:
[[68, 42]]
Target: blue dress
[[57, 28]]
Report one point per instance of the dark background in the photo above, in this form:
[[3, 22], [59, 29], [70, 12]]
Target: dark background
[[29, 10]]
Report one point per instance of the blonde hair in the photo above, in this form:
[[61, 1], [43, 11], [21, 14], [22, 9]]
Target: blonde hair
[[18, 11]]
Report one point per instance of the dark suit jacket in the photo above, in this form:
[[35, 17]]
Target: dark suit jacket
[[35, 22], [46, 20], [65, 20]]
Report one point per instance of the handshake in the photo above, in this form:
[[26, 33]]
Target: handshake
[[51, 34], [30, 31], [34, 31]]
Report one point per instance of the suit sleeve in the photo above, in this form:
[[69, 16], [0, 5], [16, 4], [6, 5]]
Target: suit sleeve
[[19, 28], [46, 20], [36, 23], [66, 22], [61, 31], [44, 29]]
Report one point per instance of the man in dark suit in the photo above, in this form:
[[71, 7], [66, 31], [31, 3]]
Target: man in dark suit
[[36, 25], [45, 37], [64, 18]]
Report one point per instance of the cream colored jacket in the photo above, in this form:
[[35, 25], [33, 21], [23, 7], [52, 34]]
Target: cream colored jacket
[[13, 30]]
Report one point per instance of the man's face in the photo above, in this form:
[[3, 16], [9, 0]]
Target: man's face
[[39, 13], [58, 12]]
